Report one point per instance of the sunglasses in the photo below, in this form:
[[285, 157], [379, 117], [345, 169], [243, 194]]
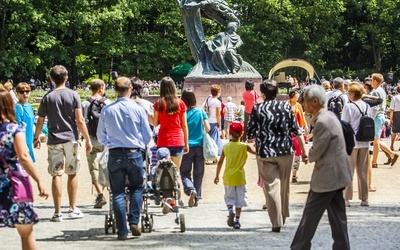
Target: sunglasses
[[24, 92]]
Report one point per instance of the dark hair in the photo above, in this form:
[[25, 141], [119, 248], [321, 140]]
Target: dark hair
[[189, 98], [249, 85], [7, 106], [292, 93], [59, 74], [269, 88], [136, 88], [168, 99]]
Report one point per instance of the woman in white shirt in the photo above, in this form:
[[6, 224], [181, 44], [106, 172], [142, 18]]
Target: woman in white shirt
[[214, 116], [359, 157]]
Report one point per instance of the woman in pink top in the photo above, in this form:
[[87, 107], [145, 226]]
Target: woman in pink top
[[249, 97]]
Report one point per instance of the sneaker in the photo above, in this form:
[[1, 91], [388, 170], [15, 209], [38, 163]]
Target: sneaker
[[122, 237], [237, 225], [75, 214], [166, 208], [230, 220], [192, 198], [135, 230], [56, 218], [100, 201]]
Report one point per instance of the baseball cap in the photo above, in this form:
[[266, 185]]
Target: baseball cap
[[236, 127], [163, 153]]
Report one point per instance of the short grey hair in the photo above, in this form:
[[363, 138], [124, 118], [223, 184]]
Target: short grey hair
[[337, 83], [315, 91]]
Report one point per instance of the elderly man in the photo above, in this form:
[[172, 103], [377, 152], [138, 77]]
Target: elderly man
[[125, 130], [331, 175]]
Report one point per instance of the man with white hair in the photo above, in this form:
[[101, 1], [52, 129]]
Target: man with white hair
[[331, 175], [230, 110]]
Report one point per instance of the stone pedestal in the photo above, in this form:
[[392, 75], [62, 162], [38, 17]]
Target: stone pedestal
[[231, 86]]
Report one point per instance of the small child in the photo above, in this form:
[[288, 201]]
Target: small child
[[164, 155], [234, 175]]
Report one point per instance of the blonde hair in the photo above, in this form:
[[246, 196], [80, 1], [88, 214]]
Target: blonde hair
[[326, 85], [377, 77], [357, 89], [8, 86]]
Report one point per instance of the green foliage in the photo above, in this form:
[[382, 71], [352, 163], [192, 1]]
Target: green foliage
[[146, 38]]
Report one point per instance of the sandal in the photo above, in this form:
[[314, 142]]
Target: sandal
[[375, 165]]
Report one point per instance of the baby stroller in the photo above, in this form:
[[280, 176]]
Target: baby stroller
[[165, 187]]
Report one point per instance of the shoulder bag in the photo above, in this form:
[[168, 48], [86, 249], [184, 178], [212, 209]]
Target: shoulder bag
[[20, 183]]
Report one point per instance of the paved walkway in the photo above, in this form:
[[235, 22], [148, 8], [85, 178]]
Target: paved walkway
[[374, 227]]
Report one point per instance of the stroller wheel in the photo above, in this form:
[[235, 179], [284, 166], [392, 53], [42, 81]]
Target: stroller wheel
[[106, 224], [114, 226], [182, 222], [147, 224]]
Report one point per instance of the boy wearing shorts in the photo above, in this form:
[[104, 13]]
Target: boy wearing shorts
[[234, 176]]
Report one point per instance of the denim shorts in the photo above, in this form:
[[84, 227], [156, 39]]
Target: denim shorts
[[379, 121], [176, 151]]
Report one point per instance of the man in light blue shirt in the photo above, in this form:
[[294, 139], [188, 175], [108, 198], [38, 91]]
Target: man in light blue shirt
[[125, 130]]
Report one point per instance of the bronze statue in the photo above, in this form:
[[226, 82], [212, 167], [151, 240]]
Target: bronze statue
[[218, 56]]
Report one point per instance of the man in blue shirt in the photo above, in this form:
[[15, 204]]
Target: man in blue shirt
[[125, 130]]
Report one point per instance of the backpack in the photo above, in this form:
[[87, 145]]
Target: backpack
[[93, 115], [335, 104], [366, 129], [348, 134]]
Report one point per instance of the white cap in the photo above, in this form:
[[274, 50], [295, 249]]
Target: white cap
[[229, 98]]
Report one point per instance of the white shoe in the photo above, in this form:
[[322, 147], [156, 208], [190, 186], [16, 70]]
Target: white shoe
[[56, 217], [75, 214]]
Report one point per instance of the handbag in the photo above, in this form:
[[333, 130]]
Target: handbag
[[20, 183], [210, 148]]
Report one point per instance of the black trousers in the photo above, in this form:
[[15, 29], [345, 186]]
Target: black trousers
[[315, 207]]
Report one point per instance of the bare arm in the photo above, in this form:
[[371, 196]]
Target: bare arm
[[251, 149], [206, 125], [185, 133], [219, 167], [304, 155], [38, 131], [218, 110], [80, 122], [156, 121], [24, 158]]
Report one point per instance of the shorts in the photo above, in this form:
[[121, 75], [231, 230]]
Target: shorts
[[236, 196], [379, 120], [63, 158], [94, 167], [175, 151], [222, 123], [227, 124]]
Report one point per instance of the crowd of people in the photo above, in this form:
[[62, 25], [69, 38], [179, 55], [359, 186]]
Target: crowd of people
[[278, 129]]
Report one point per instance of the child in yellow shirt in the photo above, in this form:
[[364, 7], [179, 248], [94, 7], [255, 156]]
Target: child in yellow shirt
[[234, 176]]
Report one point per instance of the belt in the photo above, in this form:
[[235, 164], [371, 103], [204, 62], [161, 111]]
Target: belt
[[125, 149]]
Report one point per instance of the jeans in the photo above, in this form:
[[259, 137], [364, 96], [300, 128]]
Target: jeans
[[193, 162], [125, 163]]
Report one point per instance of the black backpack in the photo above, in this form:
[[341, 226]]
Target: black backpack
[[366, 129], [93, 115], [335, 104], [348, 134]]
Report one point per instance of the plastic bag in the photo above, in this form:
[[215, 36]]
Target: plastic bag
[[210, 148]]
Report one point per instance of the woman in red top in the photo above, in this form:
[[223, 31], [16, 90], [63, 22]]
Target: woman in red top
[[249, 97], [170, 114]]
